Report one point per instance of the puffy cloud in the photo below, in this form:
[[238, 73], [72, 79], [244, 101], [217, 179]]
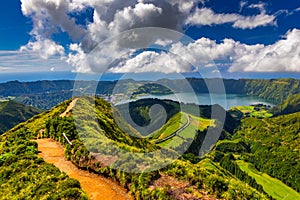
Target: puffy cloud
[[206, 16], [111, 17], [150, 61], [163, 43], [252, 22], [49, 16], [45, 48], [135, 17], [284, 55]]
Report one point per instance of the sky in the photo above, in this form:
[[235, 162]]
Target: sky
[[232, 39]]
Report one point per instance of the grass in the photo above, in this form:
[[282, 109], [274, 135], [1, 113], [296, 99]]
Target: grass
[[196, 123], [272, 186], [250, 111], [170, 127]]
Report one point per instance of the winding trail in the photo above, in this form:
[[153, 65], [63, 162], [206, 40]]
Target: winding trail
[[96, 187]]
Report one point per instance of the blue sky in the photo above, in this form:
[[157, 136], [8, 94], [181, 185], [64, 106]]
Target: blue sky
[[243, 38]]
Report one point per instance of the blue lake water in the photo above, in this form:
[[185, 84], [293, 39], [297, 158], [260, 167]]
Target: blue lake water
[[226, 101]]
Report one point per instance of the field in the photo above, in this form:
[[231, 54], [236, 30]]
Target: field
[[272, 186]]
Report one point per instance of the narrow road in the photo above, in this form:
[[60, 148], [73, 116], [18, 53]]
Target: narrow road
[[176, 132], [97, 187]]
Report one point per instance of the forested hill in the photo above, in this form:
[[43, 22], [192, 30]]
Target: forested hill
[[16, 88], [276, 90], [270, 145], [290, 105], [13, 113]]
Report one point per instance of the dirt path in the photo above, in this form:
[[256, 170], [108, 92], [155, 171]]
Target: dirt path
[[95, 186], [69, 108]]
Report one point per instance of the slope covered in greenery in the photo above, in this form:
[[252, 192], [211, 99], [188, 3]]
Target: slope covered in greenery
[[13, 113], [271, 146], [272, 186], [276, 90], [290, 105], [46, 100], [24, 175], [185, 177]]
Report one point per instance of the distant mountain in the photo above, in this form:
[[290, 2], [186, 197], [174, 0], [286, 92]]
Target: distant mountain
[[13, 113], [44, 100], [276, 90], [46, 94]]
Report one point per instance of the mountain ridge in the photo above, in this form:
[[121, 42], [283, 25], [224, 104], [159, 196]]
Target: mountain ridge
[[46, 94]]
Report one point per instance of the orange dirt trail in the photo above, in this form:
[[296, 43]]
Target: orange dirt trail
[[97, 187]]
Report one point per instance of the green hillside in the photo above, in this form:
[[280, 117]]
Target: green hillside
[[270, 146], [272, 186], [290, 105], [276, 90], [184, 177], [13, 113], [23, 174]]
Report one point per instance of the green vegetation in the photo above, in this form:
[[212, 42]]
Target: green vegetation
[[268, 151], [170, 127], [24, 175], [276, 90], [290, 105], [186, 135], [44, 100], [272, 186], [13, 113], [274, 146], [259, 111], [209, 175], [254, 153], [152, 88]]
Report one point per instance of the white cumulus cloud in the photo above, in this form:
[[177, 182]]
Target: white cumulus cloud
[[284, 55], [206, 16], [45, 48], [112, 17]]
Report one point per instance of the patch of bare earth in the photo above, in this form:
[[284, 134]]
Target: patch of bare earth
[[97, 187], [180, 190], [104, 160]]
